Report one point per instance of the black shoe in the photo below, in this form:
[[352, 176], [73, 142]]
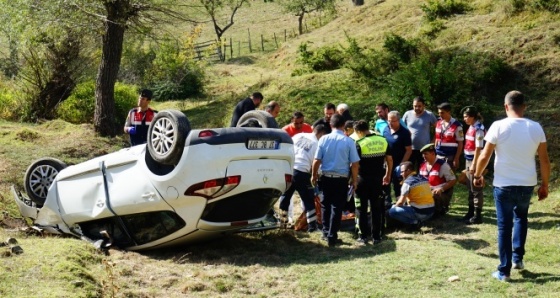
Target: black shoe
[[377, 241], [361, 242], [476, 219]]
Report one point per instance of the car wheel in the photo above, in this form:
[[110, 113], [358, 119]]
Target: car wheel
[[39, 178], [166, 136], [250, 118]]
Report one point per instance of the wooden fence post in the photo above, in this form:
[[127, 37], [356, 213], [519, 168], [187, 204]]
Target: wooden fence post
[[249, 35], [262, 42], [275, 40], [285, 35], [230, 48]]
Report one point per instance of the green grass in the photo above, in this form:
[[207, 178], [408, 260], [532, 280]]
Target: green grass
[[287, 263]]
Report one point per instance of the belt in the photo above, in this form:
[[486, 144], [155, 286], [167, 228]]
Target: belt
[[334, 175]]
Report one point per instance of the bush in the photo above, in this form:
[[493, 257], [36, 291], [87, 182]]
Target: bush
[[80, 106], [323, 59], [406, 69], [444, 9], [174, 73]]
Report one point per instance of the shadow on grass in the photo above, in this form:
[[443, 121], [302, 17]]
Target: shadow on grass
[[536, 277], [276, 248]]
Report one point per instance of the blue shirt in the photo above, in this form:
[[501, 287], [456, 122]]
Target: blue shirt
[[336, 152]]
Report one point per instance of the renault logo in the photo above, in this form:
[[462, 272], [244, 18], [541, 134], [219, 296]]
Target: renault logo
[[265, 179]]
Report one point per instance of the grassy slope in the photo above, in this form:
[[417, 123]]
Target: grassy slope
[[282, 263]]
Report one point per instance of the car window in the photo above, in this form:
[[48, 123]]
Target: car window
[[150, 226], [142, 227]]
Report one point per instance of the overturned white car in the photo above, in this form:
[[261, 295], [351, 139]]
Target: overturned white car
[[183, 186]]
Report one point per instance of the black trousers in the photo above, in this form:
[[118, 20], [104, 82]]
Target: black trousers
[[370, 193], [334, 199]]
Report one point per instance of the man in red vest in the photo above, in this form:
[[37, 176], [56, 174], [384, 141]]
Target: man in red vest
[[449, 136], [139, 119], [441, 178]]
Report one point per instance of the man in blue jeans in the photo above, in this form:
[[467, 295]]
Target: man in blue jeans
[[515, 140]]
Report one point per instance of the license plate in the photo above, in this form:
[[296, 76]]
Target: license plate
[[262, 145]]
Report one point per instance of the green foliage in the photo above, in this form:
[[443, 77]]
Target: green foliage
[[454, 76], [169, 68], [401, 49], [405, 69], [80, 106], [434, 9], [550, 5], [323, 59]]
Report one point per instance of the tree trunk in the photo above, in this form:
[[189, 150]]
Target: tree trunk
[[104, 118]]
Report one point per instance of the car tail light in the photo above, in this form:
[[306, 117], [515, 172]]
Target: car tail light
[[214, 188], [206, 134], [288, 179]]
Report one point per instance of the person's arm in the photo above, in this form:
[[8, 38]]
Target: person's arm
[[315, 171], [482, 162], [450, 179], [388, 170], [458, 154], [544, 163], [402, 199], [407, 153], [354, 171], [127, 124]]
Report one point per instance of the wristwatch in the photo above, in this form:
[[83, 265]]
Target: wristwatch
[[477, 177]]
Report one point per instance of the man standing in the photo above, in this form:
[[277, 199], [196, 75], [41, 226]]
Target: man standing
[[139, 119], [336, 153], [273, 108], [416, 204], [242, 107], [382, 124], [401, 148], [298, 125], [440, 176], [449, 136], [419, 121], [474, 142], [329, 111], [305, 146], [515, 140], [343, 110], [373, 151]]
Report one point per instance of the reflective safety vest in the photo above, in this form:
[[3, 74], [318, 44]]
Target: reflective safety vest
[[141, 121], [470, 141], [446, 144], [433, 175], [373, 146], [420, 195]]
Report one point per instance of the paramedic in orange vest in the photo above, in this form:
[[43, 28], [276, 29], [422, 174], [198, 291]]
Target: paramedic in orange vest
[[449, 136], [441, 178], [474, 142], [139, 119]]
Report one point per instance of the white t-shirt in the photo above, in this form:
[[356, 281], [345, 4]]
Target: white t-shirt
[[517, 141], [305, 145]]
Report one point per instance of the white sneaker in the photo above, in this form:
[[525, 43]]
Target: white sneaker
[[519, 265]]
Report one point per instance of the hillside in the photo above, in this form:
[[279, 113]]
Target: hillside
[[286, 263]]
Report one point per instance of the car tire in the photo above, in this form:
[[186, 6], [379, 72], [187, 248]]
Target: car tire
[[166, 136], [39, 177], [264, 119]]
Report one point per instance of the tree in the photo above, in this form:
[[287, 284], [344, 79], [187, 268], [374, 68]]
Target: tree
[[302, 7], [215, 9]]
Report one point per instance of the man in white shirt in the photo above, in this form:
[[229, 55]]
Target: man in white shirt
[[305, 146], [515, 140]]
